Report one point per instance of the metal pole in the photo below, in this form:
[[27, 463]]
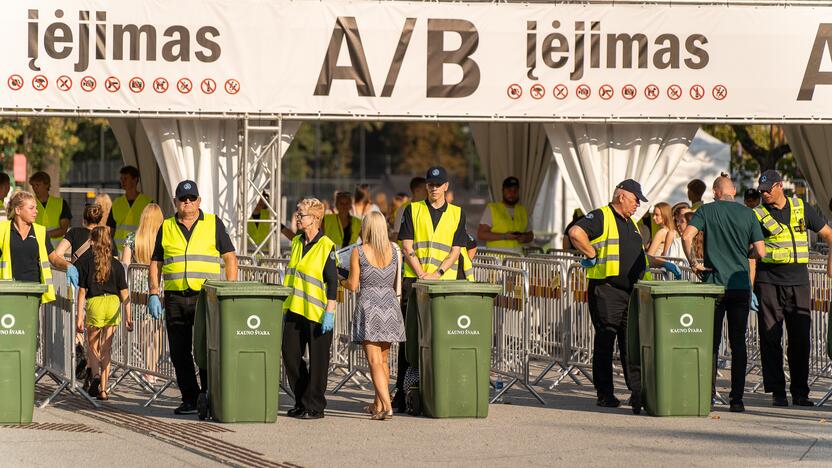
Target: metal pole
[[279, 181], [242, 214]]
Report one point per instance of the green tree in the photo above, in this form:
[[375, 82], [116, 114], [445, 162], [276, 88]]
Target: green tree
[[764, 147], [47, 142]]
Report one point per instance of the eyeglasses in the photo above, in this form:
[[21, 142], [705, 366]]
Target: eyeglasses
[[769, 190], [188, 198], [301, 215]]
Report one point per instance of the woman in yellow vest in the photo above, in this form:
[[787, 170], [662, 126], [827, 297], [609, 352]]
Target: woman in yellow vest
[[505, 224], [310, 311], [53, 212], [24, 249], [341, 227]]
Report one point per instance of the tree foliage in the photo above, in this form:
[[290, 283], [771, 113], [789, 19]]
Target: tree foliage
[[762, 147]]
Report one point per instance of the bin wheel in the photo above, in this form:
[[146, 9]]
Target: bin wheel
[[203, 409]]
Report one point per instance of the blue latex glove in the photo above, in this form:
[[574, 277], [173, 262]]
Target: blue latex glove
[[72, 276], [755, 303], [674, 269], [154, 306], [589, 262], [329, 322]]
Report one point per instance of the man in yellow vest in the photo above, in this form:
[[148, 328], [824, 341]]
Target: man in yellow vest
[[615, 261], [433, 238], [505, 225], [341, 227], [418, 192], [5, 187], [781, 288], [127, 209], [53, 212], [188, 250]]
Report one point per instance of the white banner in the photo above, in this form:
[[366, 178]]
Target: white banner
[[418, 60]]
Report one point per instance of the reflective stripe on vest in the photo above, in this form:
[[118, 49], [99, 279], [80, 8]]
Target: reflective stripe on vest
[[785, 243], [127, 216], [502, 223], [305, 275], [433, 246], [607, 251], [188, 263], [50, 216], [45, 268], [335, 232]]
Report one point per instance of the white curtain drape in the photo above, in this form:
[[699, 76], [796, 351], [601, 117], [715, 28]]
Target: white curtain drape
[[136, 151], [593, 158], [812, 148], [513, 149]]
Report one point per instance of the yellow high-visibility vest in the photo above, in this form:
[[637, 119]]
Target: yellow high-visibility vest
[[335, 232], [787, 243], [127, 216], [305, 275], [188, 263], [6, 260], [432, 246], [502, 223], [607, 252], [259, 231], [49, 216]]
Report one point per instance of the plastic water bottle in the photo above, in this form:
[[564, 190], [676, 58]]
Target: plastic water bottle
[[498, 387]]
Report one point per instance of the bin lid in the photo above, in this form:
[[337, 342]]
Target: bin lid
[[246, 289], [663, 288], [458, 287], [21, 287]]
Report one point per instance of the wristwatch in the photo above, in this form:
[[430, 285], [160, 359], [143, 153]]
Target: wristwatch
[[441, 272]]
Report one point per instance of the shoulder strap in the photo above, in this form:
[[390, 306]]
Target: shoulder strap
[[81, 250]]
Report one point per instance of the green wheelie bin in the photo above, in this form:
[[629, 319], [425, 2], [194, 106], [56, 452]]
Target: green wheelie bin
[[243, 330], [674, 343], [19, 307], [454, 346]]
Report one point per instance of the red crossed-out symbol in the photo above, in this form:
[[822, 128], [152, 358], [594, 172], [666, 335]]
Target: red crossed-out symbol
[[651, 91], [514, 91], [40, 82], [583, 91], [719, 92], [64, 83], [560, 91], [208, 86], [160, 85], [184, 85], [629, 91], [112, 84], [674, 92], [88, 83], [697, 92], [15, 82], [537, 91], [232, 86], [136, 84], [606, 92]]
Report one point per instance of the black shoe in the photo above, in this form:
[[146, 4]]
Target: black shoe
[[635, 402], [779, 400], [309, 414], [295, 412], [608, 401], [399, 404], [736, 406], [94, 387], [185, 408], [802, 401], [87, 380]]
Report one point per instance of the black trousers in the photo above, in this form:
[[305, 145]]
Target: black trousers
[[734, 304], [308, 383], [407, 285], [179, 320], [608, 307], [789, 304]]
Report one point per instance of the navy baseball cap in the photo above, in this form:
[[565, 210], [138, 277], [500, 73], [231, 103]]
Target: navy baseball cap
[[511, 182], [752, 194], [633, 187], [768, 179], [436, 175], [186, 188]]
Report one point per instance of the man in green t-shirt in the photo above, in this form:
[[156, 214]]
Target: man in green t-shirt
[[732, 235]]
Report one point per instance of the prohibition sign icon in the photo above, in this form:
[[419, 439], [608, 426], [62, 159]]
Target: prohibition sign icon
[[629, 91], [719, 92], [136, 84], [697, 92], [112, 84], [560, 91], [64, 83], [160, 85], [514, 91], [232, 86], [674, 91], [208, 86], [583, 92], [88, 83], [606, 92], [537, 91], [651, 92], [184, 85], [40, 82], [15, 82]]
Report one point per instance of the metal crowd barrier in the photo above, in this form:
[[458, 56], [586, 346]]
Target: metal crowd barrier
[[259, 273], [274, 263], [499, 253], [244, 260], [820, 363], [487, 259], [582, 333]]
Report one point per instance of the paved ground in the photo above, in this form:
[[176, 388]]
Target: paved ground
[[569, 430]]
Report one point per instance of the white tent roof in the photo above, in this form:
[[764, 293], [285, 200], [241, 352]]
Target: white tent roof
[[705, 159]]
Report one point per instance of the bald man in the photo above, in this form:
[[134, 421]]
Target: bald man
[[732, 236]]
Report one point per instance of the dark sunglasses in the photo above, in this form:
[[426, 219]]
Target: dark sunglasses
[[189, 198]]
